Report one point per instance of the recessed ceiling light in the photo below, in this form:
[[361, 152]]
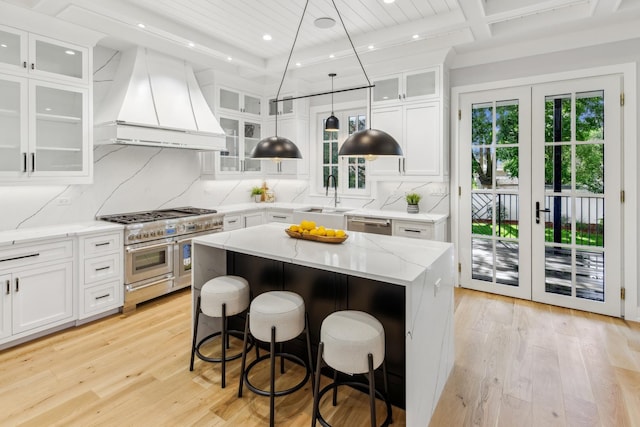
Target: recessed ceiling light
[[332, 56], [191, 44], [389, 1], [3, 45], [141, 25], [298, 64], [415, 36], [229, 58], [324, 22], [69, 52], [47, 109], [370, 46], [266, 37]]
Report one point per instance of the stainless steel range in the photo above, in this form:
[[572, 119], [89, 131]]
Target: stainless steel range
[[158, 249]]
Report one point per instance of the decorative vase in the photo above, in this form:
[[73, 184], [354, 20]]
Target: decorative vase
[[257, 198], [413, 208]]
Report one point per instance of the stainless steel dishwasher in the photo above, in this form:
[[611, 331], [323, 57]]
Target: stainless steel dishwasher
[[369, 225]]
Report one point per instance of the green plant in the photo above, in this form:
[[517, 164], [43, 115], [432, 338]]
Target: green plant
[[413, 198], [256, 191]]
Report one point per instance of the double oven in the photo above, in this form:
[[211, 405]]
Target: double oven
[[158, 249]]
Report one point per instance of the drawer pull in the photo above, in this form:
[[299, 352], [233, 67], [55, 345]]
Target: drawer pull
[[101, 244], [279, 216], [8, 287], [103, 296], [233, 222], [20, 257], [410, 230], [103, 268], [17, 284]]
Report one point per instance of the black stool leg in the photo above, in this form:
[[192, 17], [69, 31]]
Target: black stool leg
[[372, 391], [335, 390], [272, 388], [224, 339], [316, 389], [244, 354], [386, 388], [195, 333], [282, 358], [306, 328]]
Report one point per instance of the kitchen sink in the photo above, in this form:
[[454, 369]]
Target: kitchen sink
[[328, 217]]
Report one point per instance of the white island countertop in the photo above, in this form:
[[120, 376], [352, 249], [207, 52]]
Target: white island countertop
[[397, 260]]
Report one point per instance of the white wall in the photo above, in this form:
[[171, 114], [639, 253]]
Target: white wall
[[605, 55]]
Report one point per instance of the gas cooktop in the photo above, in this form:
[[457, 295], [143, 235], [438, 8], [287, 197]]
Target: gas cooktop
[[157, 215]]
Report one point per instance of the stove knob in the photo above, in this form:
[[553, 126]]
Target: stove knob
[[145, 234], [131, 237], [160, 232], [152, 234]]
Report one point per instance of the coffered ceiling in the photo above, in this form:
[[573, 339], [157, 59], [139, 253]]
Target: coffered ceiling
[[229, 33]]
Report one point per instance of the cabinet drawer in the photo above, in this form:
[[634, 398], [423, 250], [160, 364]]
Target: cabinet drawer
[[102, 244], [20, 255], [102, 268], [417, 230], [232, 222], [280, 217], [102, 297]]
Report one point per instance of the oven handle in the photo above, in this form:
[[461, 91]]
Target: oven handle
[[146, 285], [130, 249]]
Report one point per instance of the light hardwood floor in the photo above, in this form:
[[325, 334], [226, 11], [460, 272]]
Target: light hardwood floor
[[518, 363]]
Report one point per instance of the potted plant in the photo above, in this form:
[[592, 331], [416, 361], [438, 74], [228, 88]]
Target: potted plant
[[412, 202], [256, 193]]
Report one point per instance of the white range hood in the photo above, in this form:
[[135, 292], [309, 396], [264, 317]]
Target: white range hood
[[155, 101]]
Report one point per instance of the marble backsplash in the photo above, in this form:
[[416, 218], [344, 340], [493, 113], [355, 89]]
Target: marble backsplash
[[129, 179]]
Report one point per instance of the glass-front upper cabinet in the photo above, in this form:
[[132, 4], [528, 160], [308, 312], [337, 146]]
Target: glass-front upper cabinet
[[13, 123], [241, 138], [283, 107], [239, 102], [409, 86], [35, 55]]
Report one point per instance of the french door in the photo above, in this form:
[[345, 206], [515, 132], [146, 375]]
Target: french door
[[539, 167]]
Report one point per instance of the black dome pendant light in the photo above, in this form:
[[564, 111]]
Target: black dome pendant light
[[332, 123]]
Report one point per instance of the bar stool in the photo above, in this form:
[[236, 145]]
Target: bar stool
[[222, 296], [351, 342], [275, 317]]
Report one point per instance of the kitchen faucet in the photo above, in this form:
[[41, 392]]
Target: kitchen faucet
[[335, 189]]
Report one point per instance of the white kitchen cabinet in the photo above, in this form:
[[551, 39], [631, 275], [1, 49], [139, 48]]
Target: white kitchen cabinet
[[406, 87], [420, 229], [297, 130], [44, 113], [234, 101], [38, 287], [282, 216], [252, 218], [34, 55], [101, 288], [418, 129], [242, 135], [232, 222]]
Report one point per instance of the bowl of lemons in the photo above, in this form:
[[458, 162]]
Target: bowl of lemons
[[308, 230]]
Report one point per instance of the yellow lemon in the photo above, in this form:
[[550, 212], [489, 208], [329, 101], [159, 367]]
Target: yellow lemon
[[321, 231], [340, 233], [311, 225], [294, 228], [313, 232], [330, 232]]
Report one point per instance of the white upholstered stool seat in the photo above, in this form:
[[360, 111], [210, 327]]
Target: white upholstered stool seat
[[220, 297], [230, 290], [348, 337], [351, 342], [275, 317]]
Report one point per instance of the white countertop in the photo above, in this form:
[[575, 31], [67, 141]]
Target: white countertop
[[398, 260], [12, 237]]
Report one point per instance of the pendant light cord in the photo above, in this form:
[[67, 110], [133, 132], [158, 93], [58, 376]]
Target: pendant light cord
[[332, 76], [350, 41]]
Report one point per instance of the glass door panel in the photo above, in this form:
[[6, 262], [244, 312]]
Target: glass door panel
[[12, 116], [230, 158], [59, 59], [576, 127], [252, 133], [11, 48], [251, 104], [495, 189]]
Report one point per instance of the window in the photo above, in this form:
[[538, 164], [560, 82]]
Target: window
[[350, 172]]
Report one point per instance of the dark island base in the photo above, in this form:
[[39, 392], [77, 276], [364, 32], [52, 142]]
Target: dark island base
[[325, 292]]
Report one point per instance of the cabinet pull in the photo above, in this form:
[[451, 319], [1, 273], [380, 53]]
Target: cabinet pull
[[279, 216], [399, 165], [101, 244], [410, 230], [399, 96], [103, 268], [103, 296], [233, 222], [19, 257], [8, 286], [404, 96], [24, 64], [404, 165], [33, 162], [24, 162], [33, 66], [17, 284]]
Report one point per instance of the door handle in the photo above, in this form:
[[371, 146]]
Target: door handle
[[33, 162], [24, 162], [538, 210]]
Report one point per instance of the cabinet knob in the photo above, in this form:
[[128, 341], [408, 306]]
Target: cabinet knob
[[24, 64], [33, 66]]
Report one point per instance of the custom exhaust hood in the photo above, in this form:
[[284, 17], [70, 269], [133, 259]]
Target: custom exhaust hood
[[155, 101]]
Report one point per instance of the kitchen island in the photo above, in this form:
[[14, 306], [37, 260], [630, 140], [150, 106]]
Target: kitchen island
[[406, 283]]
